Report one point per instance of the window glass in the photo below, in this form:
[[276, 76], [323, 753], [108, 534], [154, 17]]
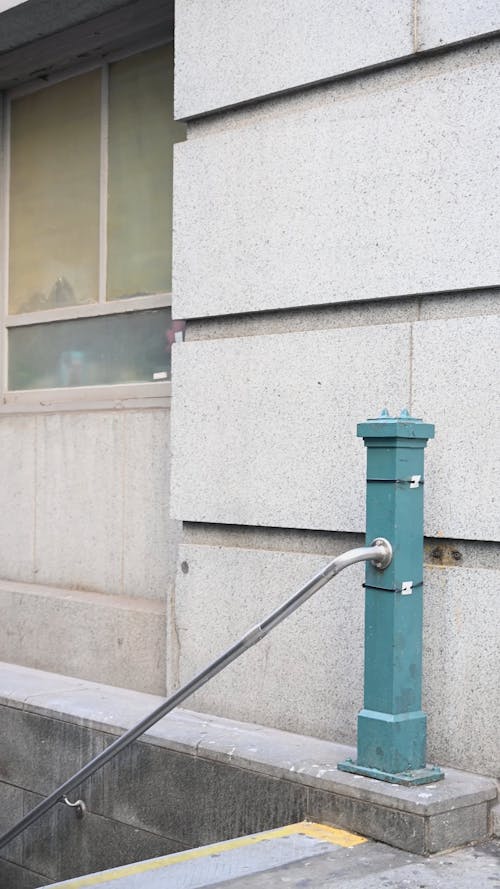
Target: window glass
[[54, 195], [142, 133], [125, 348]]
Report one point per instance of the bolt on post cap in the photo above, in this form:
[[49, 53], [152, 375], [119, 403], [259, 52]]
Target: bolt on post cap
[[404, 426]]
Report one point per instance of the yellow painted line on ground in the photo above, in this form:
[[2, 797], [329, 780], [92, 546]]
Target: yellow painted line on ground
[[327, 834], [320, 832]]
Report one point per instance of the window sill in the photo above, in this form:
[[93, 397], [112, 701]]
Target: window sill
[[91, 310], [87, 398]]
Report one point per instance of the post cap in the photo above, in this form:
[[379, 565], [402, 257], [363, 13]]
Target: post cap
[[404, 426]]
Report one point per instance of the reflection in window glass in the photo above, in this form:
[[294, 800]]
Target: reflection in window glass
[[127, 348], [54, 195], [142, 133]]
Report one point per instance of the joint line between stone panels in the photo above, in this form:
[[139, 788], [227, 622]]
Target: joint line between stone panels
[[174, 649], [216, 118], [415, 26], [198, 534], [35, 501], [12, 783], [307, 813], [24, 869], [123, 510], [113, 819]]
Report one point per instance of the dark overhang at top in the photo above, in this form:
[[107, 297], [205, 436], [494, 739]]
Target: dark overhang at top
[[40, 37]]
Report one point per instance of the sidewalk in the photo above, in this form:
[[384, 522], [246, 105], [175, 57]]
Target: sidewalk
[[375, 866]]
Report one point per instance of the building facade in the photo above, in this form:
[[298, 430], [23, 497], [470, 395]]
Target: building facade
[[335, 252], [334, 219]]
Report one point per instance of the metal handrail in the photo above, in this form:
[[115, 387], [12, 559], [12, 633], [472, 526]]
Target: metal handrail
[[379, 553]]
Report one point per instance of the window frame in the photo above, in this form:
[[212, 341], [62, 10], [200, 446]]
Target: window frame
[[109, 396]]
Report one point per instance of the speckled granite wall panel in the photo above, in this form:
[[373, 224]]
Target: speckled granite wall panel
[[308, 675], [455, 385], [440, 22], [378, 188], [264, 428], [232, 52]]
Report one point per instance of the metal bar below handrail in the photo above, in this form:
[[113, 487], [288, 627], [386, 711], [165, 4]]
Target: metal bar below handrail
[[379, 553]]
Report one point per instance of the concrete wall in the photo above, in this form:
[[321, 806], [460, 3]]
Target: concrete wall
[[87, 556], [336, 251]]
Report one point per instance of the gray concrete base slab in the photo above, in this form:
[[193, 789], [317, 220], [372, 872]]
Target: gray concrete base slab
[[196, 779]]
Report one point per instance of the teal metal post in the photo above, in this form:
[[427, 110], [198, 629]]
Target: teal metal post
[[392, 726]]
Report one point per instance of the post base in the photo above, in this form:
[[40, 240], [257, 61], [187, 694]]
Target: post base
[[413, 776], [391, 743]]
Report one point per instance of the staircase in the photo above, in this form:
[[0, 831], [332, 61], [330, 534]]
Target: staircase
[[220, 862]]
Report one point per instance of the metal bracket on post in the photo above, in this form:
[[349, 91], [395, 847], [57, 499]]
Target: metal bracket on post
[[385, 560], [392, 726], [79, 806]]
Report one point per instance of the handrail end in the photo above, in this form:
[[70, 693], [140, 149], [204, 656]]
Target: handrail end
[[383, 560]]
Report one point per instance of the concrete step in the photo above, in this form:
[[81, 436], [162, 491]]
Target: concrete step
[[230, 860], [375, 866], [304, 855], [119, 640]]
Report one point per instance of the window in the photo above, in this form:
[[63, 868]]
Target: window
[[88, 228]]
